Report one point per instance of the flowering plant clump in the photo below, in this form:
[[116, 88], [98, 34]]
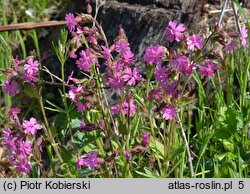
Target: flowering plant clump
[[154, 125]]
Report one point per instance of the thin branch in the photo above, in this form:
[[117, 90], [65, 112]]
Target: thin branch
[[32, 25], [219, 11], [222, 12], [45, 69]]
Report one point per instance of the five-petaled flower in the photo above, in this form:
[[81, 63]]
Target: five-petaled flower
[[131, 107], [11, 88], [88, 160], [85, 61], [31, 126], [131, 76], [169, 112], [174, 31], [194, 41], [208, 69], [153, 55], [71, 23]]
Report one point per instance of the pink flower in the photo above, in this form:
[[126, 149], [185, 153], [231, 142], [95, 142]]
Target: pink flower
[[75, 93], [11, 88], [70, 77], [181, 62], [122, 46], [92, 39], [115, 110], [131, 107], [114, 68], [106, 53], [31, 71], [85, 61], [13, 112], [244, 35], [145, 139], [127, 154], [6, 133], [155, 94], [231, 46], [23, 149], [8, 139], [153, 55], [31, 67], [194, 41], [126, 59], [30, 78], [79, 31], [16, 63], [131, 76], [208, 68], [172, 90], [92, 161], [169, 113], [71, 23], [89, 160], [72, 54], [31, 126], [80, 162], [23, 166], [89, 102], [80, 107], [82, 125], [161, 76], [116, 81], [174, 32]]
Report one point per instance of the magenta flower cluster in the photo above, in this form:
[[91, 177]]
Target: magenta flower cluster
[[19, 142], [29, 73], [89, 160], [166, 67]]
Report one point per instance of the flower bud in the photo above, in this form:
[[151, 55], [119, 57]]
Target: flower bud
[[121, 31], [89, 8], [112, 156], [216, 27], [112, 48], [145, 139], [100, 160], [78, 19], [138, 150], [233, 34]]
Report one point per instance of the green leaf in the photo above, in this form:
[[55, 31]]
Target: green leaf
[[145, 173], [220, 157], [75, 123], [230, 122], [61, 121], [31, 91], [204, 143], [176, 151], [159, 147], [66, 155], [53, 131], [134, 129], [228, 145], [55, 107], [138, 99], [85, 173]]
